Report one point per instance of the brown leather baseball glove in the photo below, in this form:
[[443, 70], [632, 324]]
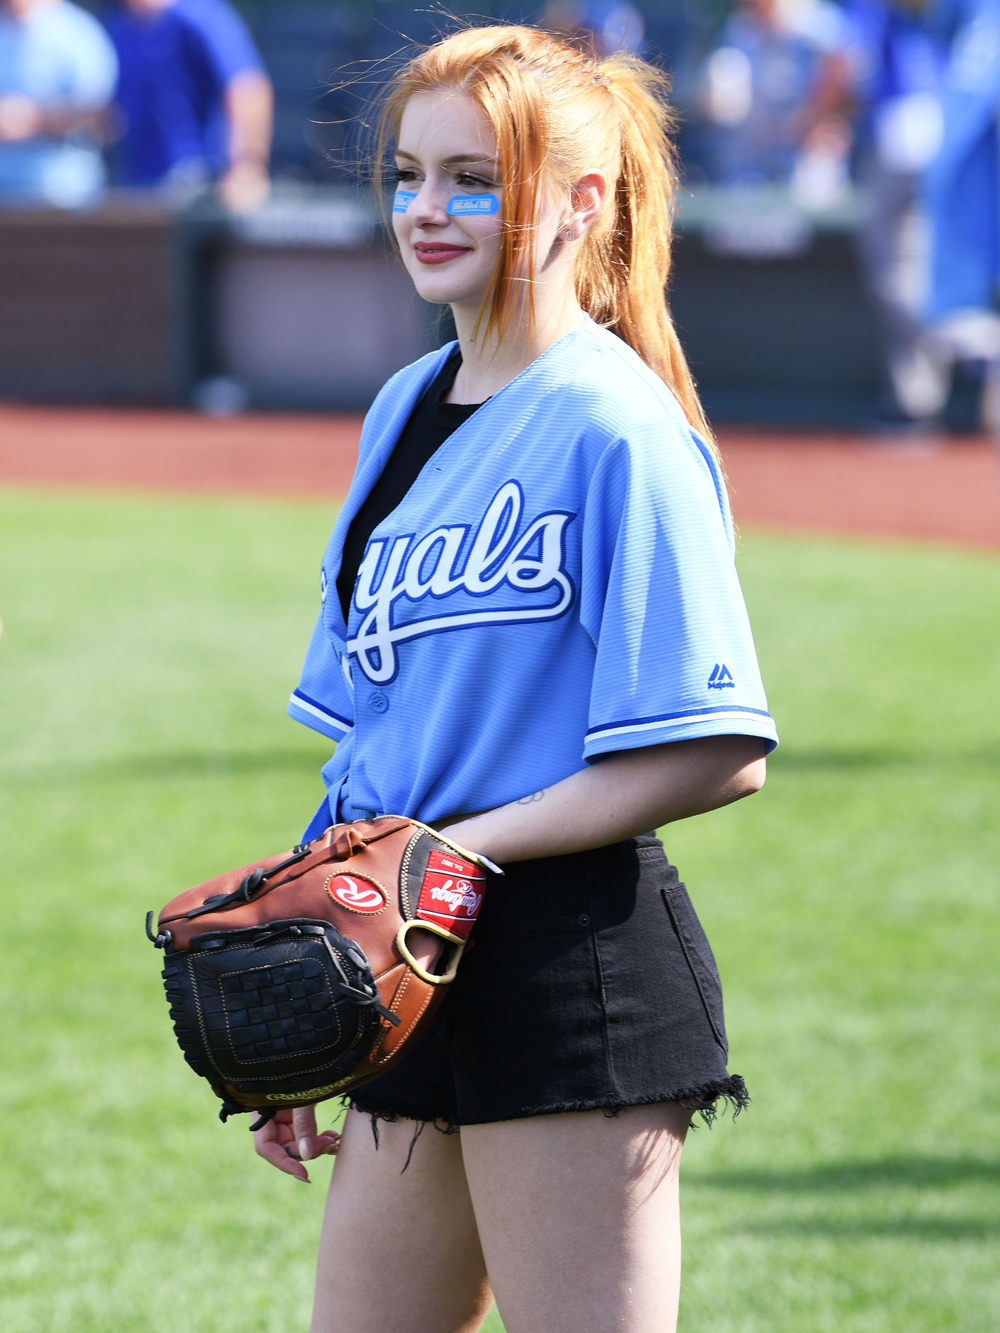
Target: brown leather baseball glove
[[293, 979]]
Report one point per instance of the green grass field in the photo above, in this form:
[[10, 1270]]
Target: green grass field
[[148, 649]]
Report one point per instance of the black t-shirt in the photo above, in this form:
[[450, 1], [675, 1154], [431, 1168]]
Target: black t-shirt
[[430, 424]]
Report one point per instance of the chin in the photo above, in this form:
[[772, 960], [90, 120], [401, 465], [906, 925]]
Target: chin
[[443, 288], [442, 292]]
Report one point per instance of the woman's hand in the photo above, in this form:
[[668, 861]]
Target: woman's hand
[[291, 1139]]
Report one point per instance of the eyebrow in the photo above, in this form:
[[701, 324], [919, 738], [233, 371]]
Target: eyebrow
[[471, 159]]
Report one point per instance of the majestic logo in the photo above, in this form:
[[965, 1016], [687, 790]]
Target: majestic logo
[[357, 893], [720, 679], [451, 893], [529, 563]]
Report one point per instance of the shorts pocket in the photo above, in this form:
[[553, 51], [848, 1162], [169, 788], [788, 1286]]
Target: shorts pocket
[[700, 958]]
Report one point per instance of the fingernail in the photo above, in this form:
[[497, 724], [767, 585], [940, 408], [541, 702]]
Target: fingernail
[[305, 1149]]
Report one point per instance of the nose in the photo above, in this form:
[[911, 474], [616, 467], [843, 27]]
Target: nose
[[430, 208]]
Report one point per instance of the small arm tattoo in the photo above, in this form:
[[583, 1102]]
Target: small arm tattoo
[[523, 800], [530, 800]]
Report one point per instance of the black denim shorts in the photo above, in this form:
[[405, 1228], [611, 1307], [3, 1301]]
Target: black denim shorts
[[590, 984]]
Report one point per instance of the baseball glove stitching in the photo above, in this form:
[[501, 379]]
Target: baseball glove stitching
[[396, 1001], [394, 1004], [404, 875], [201, 1023]]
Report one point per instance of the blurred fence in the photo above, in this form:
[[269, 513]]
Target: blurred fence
[[304, 304]]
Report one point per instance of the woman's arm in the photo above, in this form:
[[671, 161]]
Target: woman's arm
[[625, 793]]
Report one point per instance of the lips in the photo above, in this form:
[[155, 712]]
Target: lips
[[437, 252]]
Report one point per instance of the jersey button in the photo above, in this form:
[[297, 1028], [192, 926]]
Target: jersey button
[[378, 703]]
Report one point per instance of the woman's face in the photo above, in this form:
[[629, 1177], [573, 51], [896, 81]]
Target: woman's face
[[447, 151]]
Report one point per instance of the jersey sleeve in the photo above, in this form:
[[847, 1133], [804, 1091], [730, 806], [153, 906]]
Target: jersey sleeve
[[323, 698], [660, 598]]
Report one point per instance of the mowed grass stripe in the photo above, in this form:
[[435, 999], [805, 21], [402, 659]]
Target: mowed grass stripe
[[148, 649]]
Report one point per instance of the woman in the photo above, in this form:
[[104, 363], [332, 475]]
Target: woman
[[531, 611]]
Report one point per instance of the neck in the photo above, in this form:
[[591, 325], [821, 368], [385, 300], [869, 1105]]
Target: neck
[[488, 365]]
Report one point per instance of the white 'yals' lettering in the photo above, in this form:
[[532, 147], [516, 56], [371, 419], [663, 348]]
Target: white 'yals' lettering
[[529, 563]]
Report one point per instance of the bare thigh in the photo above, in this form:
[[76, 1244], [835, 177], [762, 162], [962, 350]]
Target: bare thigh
[[578, 1218], [399, 1251]]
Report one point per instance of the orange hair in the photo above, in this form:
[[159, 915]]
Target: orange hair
[[556, 113]]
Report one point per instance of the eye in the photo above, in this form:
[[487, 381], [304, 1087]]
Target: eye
[[405, 174], [470, 182]]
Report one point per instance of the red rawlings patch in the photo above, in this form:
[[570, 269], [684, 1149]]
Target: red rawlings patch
[[357, 893], [451, 893]]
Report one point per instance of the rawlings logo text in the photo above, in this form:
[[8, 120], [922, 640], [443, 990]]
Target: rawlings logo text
[[306, 1093], [448, 892], [462, 895]]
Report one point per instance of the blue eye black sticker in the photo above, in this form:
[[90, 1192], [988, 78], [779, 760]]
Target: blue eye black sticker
[[461, 205], [473, 204]]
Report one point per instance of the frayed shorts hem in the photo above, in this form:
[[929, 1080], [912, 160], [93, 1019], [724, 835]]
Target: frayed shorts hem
[[703, 1100]]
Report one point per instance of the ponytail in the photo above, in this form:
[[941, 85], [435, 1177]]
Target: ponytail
[[557, 112], [624, 266]]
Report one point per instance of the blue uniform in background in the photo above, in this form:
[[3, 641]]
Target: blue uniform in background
[[896, 54], [557, 584], [781, 64], [59, 56], [175, 68], [897, 63], [963, 183]]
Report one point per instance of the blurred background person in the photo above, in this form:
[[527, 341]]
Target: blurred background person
[[603, 26], [898, 65], [963, 195], [194, 99], [774, 94], [57, 75]]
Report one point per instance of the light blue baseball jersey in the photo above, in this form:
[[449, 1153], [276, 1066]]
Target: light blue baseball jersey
[[558, 583]]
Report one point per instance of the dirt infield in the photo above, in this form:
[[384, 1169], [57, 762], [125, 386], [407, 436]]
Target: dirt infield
[[928, 489], [182, 451]]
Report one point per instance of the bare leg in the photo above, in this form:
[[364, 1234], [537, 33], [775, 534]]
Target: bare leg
[[578, 1216], [399, 1253]]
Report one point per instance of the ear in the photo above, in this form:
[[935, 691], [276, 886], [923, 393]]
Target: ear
[[588, 196]]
